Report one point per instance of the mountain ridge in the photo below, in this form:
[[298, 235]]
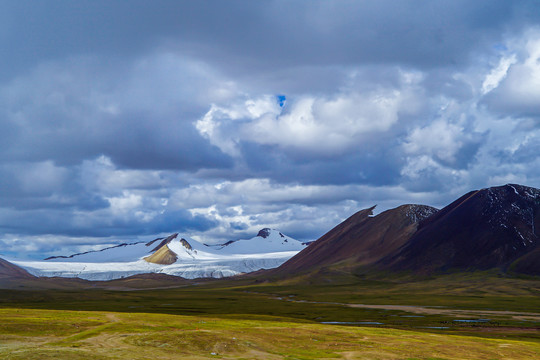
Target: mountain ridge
[[378, 235], [483, 229], [490, 228]]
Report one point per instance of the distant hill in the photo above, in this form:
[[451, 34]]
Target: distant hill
[[12, 276], [12, 271]]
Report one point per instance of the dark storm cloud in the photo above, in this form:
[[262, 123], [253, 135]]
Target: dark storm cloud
[[132, 118], [262, 34], [377, 166], [28, 186], [82, 109], [66, 223]]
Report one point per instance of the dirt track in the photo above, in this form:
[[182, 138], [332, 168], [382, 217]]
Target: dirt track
[[454, 312], [432, 310]]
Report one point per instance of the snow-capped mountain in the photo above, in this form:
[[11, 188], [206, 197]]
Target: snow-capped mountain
[[274, 241], [173, 255]]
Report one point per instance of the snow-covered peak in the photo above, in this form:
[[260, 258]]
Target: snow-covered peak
[[185, 248], [266, 241], [176, 255], [264, 233]]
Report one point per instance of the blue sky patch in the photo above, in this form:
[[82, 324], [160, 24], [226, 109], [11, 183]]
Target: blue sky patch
[[281, 100]]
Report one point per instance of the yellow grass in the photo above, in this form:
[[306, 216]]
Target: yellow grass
[[58, 334]]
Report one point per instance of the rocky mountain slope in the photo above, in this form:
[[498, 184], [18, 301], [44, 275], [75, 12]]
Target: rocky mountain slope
[[484, 229], [362, 239], [497, 227]]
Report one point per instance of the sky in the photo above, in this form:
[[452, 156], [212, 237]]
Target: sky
[[122, 121]]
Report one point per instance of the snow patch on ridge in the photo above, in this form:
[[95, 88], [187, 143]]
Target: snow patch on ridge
[[417, 213], [513, 204]]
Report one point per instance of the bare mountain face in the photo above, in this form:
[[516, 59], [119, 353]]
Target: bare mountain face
[[362, 239], [11, 271], [12, 276], [497, 227]]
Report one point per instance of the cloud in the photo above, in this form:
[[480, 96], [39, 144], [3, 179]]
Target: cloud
[[452, 144], [125, 121], [320, 126], [326, 126], [76, 110], [260, 37], [44, 185], [498, 74], [516, 90]]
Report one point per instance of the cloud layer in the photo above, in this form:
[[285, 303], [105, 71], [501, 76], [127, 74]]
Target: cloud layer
[[124, 121]]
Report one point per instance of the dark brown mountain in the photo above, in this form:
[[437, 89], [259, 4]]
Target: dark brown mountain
[[497, 227], [493, 228], [11, 271], [12, 276], [362, 239], [528, 263]]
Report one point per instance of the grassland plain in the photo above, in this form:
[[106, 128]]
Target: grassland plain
[[61, 334], [465, 316]]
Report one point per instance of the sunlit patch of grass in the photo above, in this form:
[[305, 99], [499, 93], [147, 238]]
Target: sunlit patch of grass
[[44, 323], [149, 336], [52, 354]]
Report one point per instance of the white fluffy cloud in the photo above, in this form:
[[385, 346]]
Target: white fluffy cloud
[[440, 140], [497, 74], [323, 125], [515, 83]]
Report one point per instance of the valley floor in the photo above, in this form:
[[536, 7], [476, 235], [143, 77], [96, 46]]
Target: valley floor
[[465, 316], [59, 334]]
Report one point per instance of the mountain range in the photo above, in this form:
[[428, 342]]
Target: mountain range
[[172, 255], [492, 228]]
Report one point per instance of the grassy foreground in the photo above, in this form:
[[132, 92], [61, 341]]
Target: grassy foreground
[[60, 334], [464, 316]]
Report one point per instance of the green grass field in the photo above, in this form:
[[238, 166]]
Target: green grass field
[[59, 334], [465, 316]]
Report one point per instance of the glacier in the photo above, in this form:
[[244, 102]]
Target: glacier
[[269, 249]]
